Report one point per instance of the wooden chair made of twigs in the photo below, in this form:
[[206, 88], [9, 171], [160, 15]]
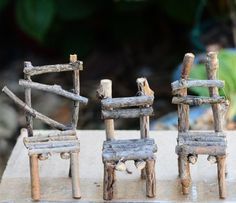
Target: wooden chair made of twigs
[[116, 152], [192, 143], [64, 141]]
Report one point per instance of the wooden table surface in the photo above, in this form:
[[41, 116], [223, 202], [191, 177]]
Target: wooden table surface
[[56, 186]]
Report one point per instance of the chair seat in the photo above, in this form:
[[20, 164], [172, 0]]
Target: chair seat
[[132, 149], [52, 144], [201, 143]]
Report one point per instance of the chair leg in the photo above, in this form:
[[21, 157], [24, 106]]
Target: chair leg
[[221, 165], [69, 174], [34, 174], [184, 170], [150, 178], [108, 181], [143, 173], [74, 166], [179, 166]]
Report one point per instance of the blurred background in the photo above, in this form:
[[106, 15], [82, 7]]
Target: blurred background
[[119, 40]]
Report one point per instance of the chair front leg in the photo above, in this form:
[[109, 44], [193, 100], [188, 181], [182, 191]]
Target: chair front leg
[[74, 167], [34, 175]]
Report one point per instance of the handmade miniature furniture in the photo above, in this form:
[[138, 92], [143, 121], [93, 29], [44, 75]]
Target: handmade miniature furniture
[[116, 152], [191, 143], [64, 141]]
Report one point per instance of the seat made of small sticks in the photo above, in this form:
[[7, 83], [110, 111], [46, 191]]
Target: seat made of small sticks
[[190, 144], [116, 152], [131, 149], [63, 142]]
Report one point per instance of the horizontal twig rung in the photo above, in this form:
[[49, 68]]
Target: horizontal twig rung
[[127, 101], [69, 149], [57, 89], [127, 113], [37, 70], [198, 100], [181, 84], [51, 144], [210, 150], [201, 134]]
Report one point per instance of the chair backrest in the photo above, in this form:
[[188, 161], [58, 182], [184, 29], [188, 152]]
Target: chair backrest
[[29, 71], [126, 107], [179, 89]]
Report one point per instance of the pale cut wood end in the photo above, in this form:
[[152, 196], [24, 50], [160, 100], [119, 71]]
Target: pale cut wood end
[[73, 58]]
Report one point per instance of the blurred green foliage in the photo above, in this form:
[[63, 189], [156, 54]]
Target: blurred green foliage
[[226, 72], [69, 25]]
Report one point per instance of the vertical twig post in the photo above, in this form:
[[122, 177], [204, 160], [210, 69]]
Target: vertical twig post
[[150, 178], [108, 181], [212, 66], [34, 174], [183, 120], [74, 157], [144, 89], [106, 87], [34, 170]]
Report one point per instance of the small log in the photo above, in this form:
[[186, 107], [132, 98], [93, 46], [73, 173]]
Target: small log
[[187, 64], [128, 154], [105, 91], [65, 155], [143, 87], [200, 139], [192, 159], [211, 159], [29, 119], [74, 165], [197, 100], [55, 133], [33, 112], [212, 66], [76, 81], [183, 115], [56, 89], [221, 165], [127, 113], [37, 70], [74, 148], [184, 173], [52, 144], [34, 174], [212, 150], [140, 164], [43, 157], [109, 143], [120, 166], [127, 102], [182, 84], [203, 143], [202, 134], [108, 181], [127, 145], [38, 139], [150, 178]]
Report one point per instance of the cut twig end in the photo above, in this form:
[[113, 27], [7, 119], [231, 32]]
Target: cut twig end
[[189, 55], [73, 58], [105, 89]]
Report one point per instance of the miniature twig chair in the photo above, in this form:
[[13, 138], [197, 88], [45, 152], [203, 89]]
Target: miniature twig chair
[[190, 144], [65, 141], [116, 152]]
